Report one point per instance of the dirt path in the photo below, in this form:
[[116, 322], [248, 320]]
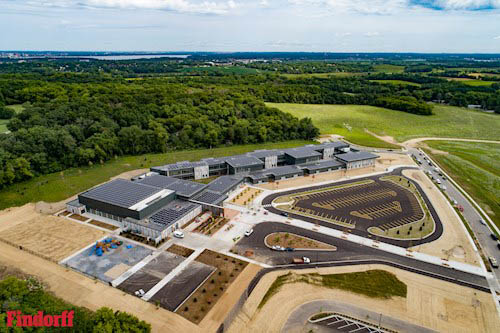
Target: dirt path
[[80, 290], [385, 138], [435, 304], [414, 142]]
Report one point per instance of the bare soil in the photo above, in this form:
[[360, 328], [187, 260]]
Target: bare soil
[[206, 296], [291, 240], [180, 250], [103, 225]]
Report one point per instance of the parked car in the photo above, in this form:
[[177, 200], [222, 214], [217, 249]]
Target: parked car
[[498, 244], [277, 248], [493, 262], [178, 234], [453, 201], [495, 238], [248, 232], [482, 222], [289, 249], [285, 214], [443, 187], [438, 181]]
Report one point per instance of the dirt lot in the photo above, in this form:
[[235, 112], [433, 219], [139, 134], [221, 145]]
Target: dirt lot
[[208, 294], [180, 250], [51, 237], [453, 244], [291, 240], [386, 160], [431, 303], [80, 290]]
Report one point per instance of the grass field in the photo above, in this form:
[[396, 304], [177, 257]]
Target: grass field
[[351, 120], [322, 75], [387, 68], [373, 283], [397, 82], [475, 167], [471, 82], [61, 185]]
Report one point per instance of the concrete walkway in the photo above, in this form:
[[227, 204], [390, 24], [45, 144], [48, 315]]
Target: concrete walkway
[[172, 274]]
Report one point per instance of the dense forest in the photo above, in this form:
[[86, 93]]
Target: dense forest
[[85, 112], [29, 296]]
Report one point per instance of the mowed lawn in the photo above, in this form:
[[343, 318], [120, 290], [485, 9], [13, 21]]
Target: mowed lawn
[[351, 121], [61, 185], [476, 168]]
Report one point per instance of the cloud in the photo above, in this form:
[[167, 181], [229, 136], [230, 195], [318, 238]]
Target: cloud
[[371, 34], [497, 37], [384, 7], [457, 4], [182, 6]]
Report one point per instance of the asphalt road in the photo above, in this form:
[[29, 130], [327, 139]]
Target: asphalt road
[[482, 232], [348, 253], [363, 233]]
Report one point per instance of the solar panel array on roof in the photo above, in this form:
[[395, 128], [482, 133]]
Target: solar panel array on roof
[[183, 188], [172, 213], [210, 197], [184, 165], [213, 161], [285, 171], [334, 144], [356, 156], [121, 192], [224, 183]]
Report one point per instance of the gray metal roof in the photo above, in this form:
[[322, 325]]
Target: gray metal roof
[[121, 192], [321, 165], [302, 152], [239, 161], [285, 171], [210, 197], [180, 165], [214, 161], [224, 183], [356, 156], [158, 181], [334, 144], [264, 153]]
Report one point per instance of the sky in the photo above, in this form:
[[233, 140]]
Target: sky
[[428, 26]]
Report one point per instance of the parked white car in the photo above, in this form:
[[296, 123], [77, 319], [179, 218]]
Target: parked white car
[[178, 234], [248, 232]]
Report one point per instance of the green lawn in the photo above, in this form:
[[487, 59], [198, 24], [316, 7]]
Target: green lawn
[[351, 120], [61, 185], [475, 167], [387, 68], [471, 82], [397, 82]]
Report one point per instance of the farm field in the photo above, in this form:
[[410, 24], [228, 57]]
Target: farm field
[[351, 121], [61, 185], [387, 68], [397, 82], [475, 167], [472, 82]]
